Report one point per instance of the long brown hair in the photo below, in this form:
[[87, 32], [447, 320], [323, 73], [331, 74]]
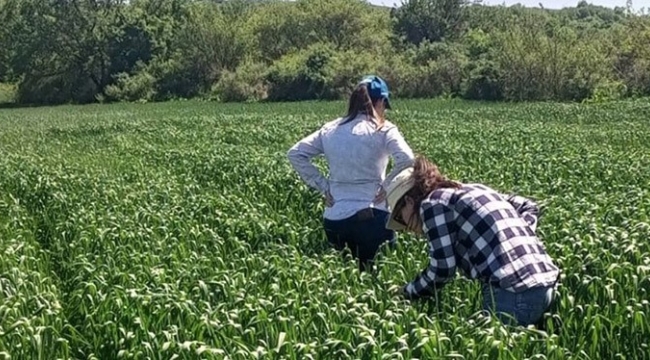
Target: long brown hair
[[361, 103], [426, 178]]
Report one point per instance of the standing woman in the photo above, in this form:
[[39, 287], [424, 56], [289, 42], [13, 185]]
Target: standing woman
[[357, 148]]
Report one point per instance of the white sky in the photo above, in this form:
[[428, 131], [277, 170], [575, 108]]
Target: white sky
[[549, 4]]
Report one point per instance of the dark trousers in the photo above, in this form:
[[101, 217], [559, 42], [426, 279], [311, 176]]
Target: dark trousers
[[363, 233]]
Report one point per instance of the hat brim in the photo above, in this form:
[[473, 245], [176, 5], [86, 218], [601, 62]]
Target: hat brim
[[392, 224], [399, 193], [399, 185]]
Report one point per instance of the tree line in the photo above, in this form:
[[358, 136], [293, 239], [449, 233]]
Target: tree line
[[81, 51]]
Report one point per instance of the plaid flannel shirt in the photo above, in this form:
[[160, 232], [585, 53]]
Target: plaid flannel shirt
[[488, 235]]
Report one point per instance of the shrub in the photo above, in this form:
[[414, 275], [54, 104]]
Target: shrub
[[300, 75], [483, 82], [607, 91], [137, 87], [67, 87], [247, 83], [345, 69], [7, 93]]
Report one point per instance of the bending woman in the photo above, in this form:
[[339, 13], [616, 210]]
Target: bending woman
[[489, 236]]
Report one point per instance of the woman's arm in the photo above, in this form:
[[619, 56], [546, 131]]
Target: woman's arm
[[400, 152], [527, 208], [300, 156], [440, 224]]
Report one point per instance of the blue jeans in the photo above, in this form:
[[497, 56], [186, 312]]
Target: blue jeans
[[363, 233], [524, 308]]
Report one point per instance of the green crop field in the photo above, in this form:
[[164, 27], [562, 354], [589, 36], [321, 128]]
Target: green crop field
[[179, 231]]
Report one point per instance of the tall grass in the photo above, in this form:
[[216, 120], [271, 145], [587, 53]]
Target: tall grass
[[178, 230]]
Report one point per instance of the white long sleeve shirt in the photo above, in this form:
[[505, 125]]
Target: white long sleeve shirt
[[357, 156]]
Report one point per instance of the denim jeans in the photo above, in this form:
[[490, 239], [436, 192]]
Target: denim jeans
[[524, 308], [362, 235]]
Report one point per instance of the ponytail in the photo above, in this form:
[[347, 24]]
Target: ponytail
[[361, 103]]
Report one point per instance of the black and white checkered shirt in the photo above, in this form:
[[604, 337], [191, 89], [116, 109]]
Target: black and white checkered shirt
[[488, 235]]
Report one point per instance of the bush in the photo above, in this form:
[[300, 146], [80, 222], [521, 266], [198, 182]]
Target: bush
[[429, 70], [483, 82], [607, 91], [577, 86], [68, 87], [175, 79], [634, 71], [7, 93], [247, 83], [137, 87], [344, 70], [446, 75], [413, 81], [402, 76], [300, 75]]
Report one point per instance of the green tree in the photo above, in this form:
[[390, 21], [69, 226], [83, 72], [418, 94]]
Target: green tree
[[212, 39], [431, 20], [71, 50]]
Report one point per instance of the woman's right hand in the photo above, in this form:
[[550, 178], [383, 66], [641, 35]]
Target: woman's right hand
[[380, 196]]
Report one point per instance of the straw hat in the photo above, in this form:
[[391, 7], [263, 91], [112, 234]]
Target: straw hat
[[398, 186]]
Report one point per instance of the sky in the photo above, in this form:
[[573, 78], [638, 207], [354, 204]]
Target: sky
[[549, 4]]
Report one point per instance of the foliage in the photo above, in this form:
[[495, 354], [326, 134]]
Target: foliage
[[300, 75], [429, 20], [247, 83], [139, 86], [81, 51], [7, 93]]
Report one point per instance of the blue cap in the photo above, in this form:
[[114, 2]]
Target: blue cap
[[377, 88]]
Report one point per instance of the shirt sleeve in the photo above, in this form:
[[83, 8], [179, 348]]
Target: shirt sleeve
[[439, 224], [400, 152], [527, 208], [300, 156]]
